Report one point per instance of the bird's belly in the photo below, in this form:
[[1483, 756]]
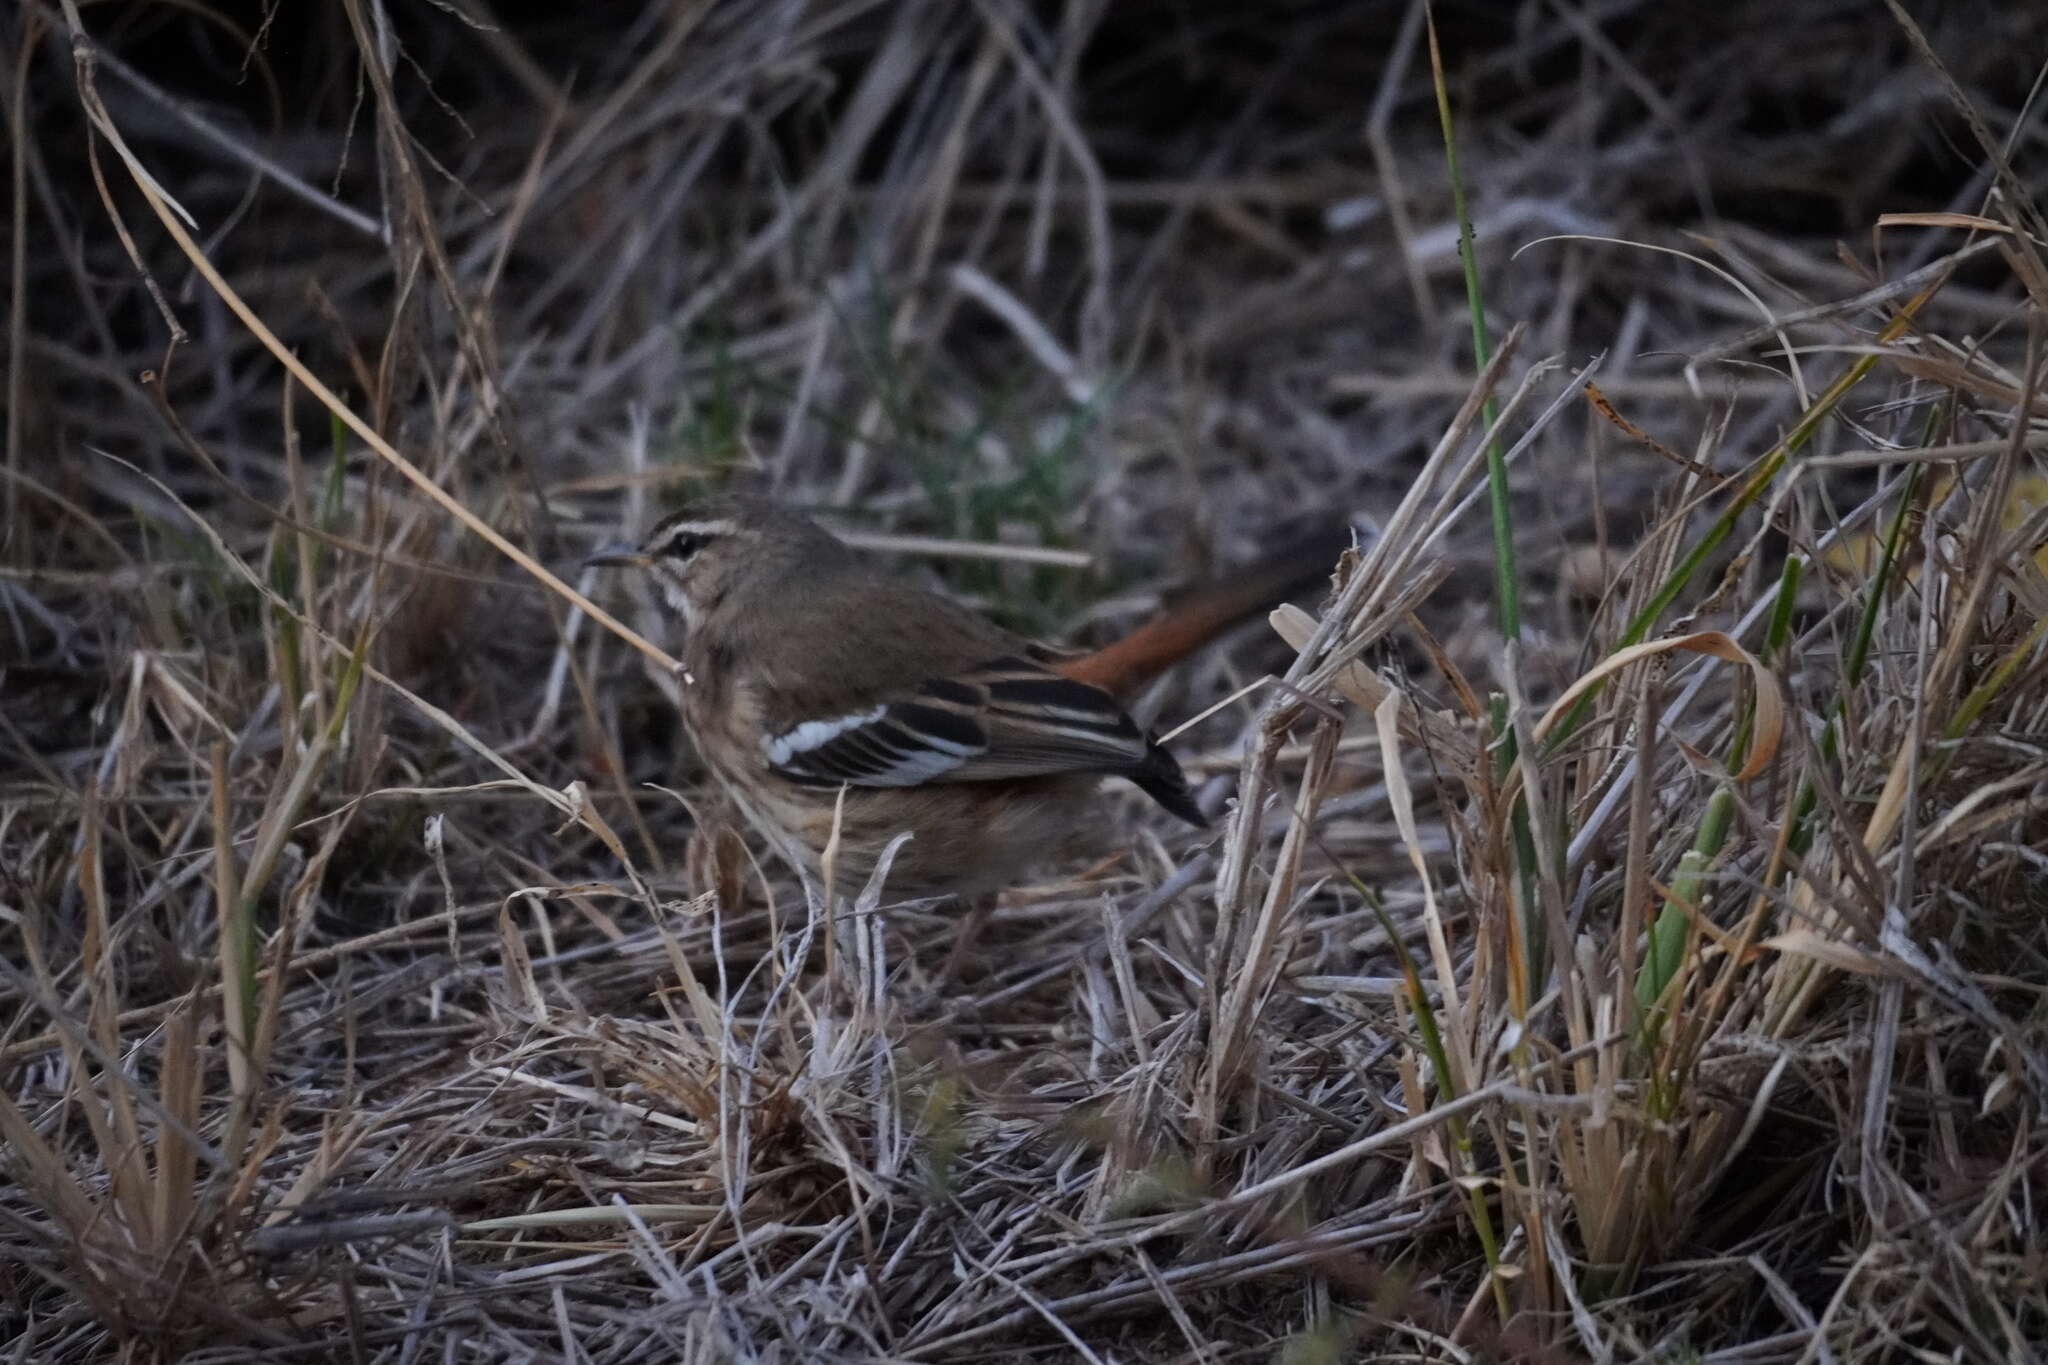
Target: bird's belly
[[966, 837]]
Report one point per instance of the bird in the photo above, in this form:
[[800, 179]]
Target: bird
[[840, 707]]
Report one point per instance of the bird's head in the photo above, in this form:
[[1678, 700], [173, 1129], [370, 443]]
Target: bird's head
[[708, 557]]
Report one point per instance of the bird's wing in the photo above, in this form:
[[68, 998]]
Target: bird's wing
[[1009, 717]]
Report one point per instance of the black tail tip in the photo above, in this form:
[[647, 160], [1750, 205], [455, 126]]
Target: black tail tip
[[1160, 778]]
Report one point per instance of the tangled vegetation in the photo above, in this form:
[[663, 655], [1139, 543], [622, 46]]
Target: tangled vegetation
[[1629, 935]]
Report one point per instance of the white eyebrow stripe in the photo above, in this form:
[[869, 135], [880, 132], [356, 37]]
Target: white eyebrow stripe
[[696, 528], [812, 733]]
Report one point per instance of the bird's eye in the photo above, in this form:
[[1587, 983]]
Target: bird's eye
[[676, 540]]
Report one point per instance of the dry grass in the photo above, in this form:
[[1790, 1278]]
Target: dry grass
[[1663, 976]]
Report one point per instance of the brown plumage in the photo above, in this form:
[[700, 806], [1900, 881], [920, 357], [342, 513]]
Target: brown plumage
[[807, 674]]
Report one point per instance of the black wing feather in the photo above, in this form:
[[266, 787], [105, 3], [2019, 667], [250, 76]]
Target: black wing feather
[[1010, 717]]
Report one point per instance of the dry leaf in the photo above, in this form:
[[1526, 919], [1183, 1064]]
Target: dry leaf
[[1770, 703]]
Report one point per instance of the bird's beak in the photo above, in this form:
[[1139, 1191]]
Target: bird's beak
[[614, 556]]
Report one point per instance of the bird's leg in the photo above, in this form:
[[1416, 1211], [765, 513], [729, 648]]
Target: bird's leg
[[715, 860], [975, 914]]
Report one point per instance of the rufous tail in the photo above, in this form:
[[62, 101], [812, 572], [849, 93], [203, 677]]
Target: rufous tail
[[1203, 613]]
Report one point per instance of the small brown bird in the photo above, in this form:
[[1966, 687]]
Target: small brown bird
[[806, 674]]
